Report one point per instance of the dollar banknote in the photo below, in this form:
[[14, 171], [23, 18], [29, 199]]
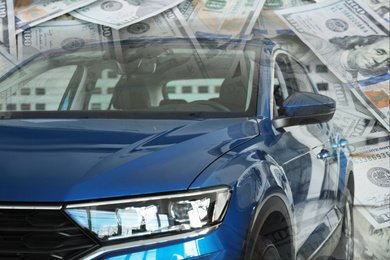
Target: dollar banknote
[[267, 27], [381, 7], [7, 25], [282, 4], [171, 24], [29, 13], [338, 91], [214, 24], [353, 123], [327, 83], [189, 63], [371, 159], [361, 108], [8, 67], [64, 17], [353, 41], [122, 13], [221, 19], [378, 127], [351, 116], [7, 62], [198, 60], [167, 24], [68, 35]]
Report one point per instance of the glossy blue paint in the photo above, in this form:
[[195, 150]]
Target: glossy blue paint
[[71, 160], [252, 171], [302, 103]]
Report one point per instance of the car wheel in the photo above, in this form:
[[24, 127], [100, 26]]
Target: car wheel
[[265, 250], [346, 244]]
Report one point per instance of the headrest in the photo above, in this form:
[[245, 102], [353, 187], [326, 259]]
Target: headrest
[[129, 96], [233, 93]]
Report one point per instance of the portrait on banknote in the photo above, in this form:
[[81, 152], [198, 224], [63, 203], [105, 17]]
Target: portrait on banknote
[[354, 55], [370, 243]]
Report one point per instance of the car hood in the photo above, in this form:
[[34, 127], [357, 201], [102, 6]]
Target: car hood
[[71, 160]]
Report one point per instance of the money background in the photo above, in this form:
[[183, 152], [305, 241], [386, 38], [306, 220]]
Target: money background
[[345, 36], [25, 23]]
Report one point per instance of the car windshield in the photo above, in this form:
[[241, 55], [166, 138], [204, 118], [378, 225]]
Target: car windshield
[[161, 78]]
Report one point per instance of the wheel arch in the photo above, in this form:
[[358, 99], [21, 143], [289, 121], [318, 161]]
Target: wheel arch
[[272, 219]]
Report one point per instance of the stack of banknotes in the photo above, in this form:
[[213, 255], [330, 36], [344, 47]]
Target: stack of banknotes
[[343, 43]]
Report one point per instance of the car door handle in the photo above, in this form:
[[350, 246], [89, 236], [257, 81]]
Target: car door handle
[[342, 143], [323, 154]]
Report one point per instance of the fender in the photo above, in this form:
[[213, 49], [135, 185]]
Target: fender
[[274, 208]]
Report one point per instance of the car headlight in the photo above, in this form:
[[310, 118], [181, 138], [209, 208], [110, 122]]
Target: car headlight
[[169, 213]]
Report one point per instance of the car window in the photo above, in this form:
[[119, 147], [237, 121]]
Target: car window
[[147, 80], [289, 77], [41, 92], [301, 80], [280, 91], [101, 95], [191, 90]]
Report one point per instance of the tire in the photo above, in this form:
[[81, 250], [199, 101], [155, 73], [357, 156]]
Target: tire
[[345, 248], [265, 250]]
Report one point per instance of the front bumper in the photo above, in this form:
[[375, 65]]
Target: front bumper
[[222, 243]]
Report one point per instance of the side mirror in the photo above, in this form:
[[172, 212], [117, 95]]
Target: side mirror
[[303, 108]]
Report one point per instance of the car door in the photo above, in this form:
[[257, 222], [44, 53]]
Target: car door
[[306, 154]]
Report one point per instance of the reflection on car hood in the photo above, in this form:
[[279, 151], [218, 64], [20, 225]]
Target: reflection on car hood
[[66, 160]]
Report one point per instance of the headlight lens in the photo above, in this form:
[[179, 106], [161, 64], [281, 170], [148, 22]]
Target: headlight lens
[[129, 218]]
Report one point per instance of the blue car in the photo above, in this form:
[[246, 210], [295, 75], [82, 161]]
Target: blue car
[[170, 149]]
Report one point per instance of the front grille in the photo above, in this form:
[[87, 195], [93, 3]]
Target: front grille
[[40, 235]]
